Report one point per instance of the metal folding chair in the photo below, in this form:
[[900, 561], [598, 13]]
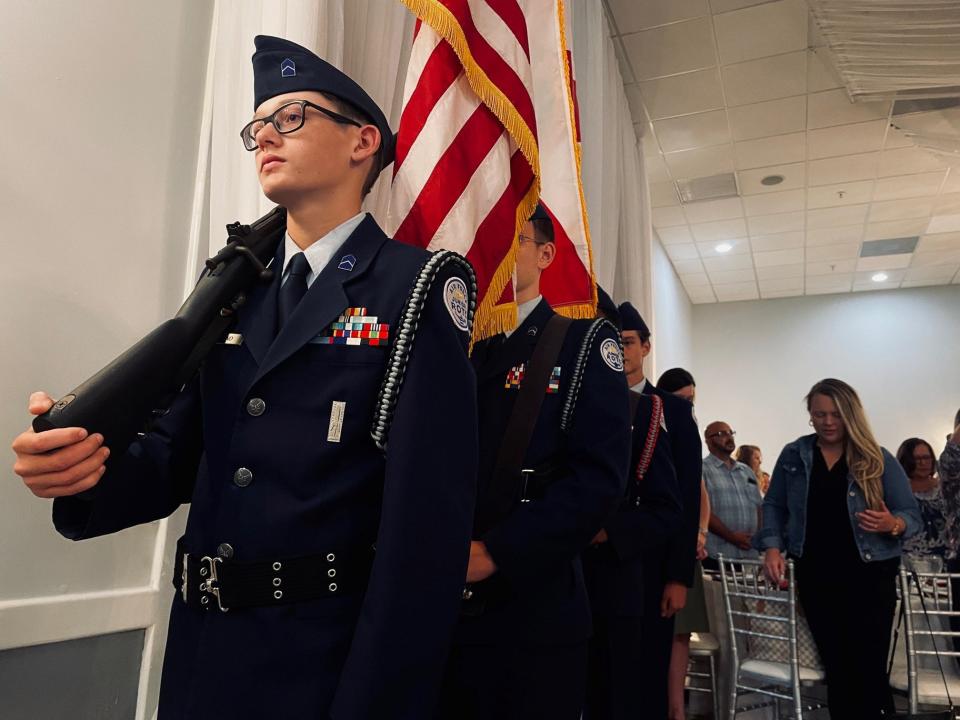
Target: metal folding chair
[[759, 614], [704, 648]]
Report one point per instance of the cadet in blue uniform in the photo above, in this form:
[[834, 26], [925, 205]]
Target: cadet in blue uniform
[[546, 487], [669, 566], [331, 483], [646, 518]]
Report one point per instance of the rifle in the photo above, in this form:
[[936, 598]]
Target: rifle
[[120, 398]]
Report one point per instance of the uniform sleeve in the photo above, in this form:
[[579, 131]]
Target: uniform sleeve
[[412, 603], [659, 511], [556, 528], [149, 481], [685, 442]]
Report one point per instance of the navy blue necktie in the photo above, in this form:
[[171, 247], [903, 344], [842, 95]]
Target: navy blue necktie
[[293, 288]]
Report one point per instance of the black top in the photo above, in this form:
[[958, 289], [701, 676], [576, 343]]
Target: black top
[[829, 536]]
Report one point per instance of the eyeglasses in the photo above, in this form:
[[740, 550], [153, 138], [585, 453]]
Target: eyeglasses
[[286, 119], [722, 433], [526, 238]]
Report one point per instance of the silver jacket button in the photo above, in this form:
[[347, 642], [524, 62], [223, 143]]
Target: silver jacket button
[[242, 477], [256, 407], [225, 550]]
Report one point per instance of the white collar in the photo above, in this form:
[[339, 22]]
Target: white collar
[[319, 252], [523, 312], [640, 386]]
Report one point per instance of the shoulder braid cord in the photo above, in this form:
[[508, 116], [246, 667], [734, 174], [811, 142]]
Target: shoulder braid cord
[[576, 377], [653, 434], [409, 321]]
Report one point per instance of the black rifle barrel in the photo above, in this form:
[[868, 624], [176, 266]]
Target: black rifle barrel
[[119, 400]]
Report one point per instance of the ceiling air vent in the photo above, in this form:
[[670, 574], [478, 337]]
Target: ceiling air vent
[[908, 107], [893, 246], [708, 188]]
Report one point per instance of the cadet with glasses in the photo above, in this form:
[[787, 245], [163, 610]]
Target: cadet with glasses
[[331, 485]]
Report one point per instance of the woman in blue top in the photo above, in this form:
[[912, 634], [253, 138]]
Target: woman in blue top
[[840, 505]]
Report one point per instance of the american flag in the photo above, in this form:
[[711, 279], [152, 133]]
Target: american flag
[[489, 127]]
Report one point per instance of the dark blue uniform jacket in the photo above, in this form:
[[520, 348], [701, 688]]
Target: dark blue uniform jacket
[[376, 650], [538, 594]]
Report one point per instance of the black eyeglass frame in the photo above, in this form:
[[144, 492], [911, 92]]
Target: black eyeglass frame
[[271, 119], [723, 433]]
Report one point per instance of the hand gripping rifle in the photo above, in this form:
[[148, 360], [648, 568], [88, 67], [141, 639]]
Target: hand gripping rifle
[[119, 400]]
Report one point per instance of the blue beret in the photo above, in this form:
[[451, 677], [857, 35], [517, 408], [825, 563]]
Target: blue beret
[[281, 66], [607, 306], [630, 319]]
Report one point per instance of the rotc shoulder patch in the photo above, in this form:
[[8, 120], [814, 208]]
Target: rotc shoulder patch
[[612, 354], [455, 298]]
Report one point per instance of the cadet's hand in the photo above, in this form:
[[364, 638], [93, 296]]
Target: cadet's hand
[[59, 462], [600, 537], [481, 565], [674, 598]]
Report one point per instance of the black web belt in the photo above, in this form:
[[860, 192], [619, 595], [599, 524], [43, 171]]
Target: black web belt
[[209, 581]]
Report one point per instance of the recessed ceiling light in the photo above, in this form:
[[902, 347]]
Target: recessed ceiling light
[[879, 277], [723, 248], [772, 180]]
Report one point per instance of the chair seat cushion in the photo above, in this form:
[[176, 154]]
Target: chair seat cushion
[[779, 672]]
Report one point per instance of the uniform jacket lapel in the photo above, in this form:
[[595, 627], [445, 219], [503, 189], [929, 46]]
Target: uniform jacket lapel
[[519, 346], [326, 298], [258, 318]]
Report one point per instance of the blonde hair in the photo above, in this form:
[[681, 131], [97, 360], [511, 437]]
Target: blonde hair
[[863, 454]]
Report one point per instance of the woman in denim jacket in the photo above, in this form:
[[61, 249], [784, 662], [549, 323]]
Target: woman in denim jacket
[[840, 505]]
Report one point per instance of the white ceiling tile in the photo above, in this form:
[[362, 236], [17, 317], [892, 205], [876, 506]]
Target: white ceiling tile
[[762, 30], [849, 193], [843, 169], [708, 210], [719, 230], [694, 279], [905, 186], [701, 162], [777, 202], [779, 241], [866, 277], [724, 277], [738, 247], [944, 223], [821, 74], [840, 251], [776, 150], [674, 236], [952, 183], [688, 267], [736, 291], [947, 204], [773, 224], [896, 138], [781, 284], [940, 241], [794, 177], [656, 168], [680, 95], [667, 217], [829, 236], [701, 295], [901, 209], [773, 117], [722, 6], [778, 257], [632, 16], [774, 294], [895, 229], [833, 107], [836, 216], [682, 252], [823, 284], [869, 286], [830, 267], [765, 79], [883, 262], [671, 49], [690, 131], [939, 257], [775, 272], [909, 160], [728, 262], [845, 139], [933, 274], [663, 194]]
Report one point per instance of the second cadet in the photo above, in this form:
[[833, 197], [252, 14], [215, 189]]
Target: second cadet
[[554, 449]]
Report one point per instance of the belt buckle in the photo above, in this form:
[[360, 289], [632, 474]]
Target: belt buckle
[[525, 487], [211, 584]]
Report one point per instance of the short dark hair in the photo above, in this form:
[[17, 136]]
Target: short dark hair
[[956, 419], [674, 379], [905, 455], [348, 109], [543, 229]]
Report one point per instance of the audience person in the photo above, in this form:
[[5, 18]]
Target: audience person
[[751, 456], [950, 488], [841, 505], [920, 464], [734, 498], [692, 617]]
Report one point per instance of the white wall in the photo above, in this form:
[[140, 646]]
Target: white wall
[[755, 361], [672, 326]]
